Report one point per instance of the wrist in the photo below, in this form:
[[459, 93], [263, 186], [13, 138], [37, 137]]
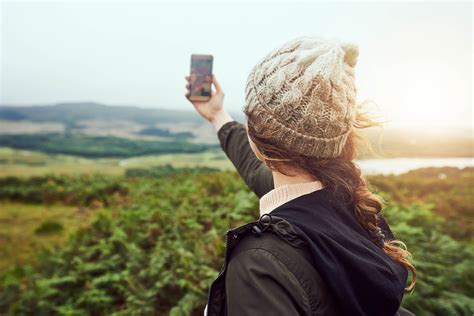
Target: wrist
[[220, 118]]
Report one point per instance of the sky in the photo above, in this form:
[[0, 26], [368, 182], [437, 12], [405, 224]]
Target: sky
[[415, 59]]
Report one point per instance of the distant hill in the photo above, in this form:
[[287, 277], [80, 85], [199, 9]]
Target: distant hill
[[399, 142], [92, 119], [95, 119], [71, 113]]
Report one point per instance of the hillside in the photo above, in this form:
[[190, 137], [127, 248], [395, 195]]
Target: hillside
[[72, 113], [164, 125]]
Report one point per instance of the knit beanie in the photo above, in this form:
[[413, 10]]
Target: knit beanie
[[302, 96]]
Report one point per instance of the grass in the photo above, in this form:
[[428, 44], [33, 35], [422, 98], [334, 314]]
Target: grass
[[25, 163], [20, 225], [211, 158]]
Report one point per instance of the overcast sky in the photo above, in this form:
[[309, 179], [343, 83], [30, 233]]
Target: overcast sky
[[415, 60]]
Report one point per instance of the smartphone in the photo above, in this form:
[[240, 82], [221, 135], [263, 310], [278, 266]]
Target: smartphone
[[200, 78]]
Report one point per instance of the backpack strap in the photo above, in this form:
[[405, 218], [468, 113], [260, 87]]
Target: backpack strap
[[281, 241]]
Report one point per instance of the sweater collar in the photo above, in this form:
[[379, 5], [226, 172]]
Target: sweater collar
[[285, 193]]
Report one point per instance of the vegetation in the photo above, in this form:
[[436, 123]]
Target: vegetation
[[23, 234], [85, 117], [49, 227], [71, 113], [165, 170], [445, 272], [84, 190], [449, 190], [153, 131], [26, 163], [106, 146], [157, 245]]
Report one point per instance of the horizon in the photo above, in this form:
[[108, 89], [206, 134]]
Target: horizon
[[459, 131], [124, 64]]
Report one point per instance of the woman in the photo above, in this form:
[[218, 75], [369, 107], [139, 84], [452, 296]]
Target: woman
[[321, 245]]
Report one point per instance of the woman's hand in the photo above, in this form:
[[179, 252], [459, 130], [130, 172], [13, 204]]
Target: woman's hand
[[212, 109]]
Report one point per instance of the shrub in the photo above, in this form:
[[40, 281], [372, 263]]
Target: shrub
[[49, 227]]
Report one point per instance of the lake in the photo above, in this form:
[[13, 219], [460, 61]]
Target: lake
[[401, 165]]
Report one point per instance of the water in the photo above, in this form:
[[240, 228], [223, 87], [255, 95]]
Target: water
[[401, 165]]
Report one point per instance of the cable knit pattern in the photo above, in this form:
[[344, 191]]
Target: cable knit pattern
[[306, 91], [285, 193]]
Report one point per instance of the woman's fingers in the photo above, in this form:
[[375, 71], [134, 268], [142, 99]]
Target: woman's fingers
[[216, 83], [217, 90], [187, 93]]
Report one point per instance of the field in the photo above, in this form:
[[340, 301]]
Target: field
[[27, 228], [25, 163], [123, 211], [149, 241]]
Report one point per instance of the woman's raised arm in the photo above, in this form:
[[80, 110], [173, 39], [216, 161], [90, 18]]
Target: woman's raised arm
[[234, 141]]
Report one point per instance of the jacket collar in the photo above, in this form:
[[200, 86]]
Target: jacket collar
[[285, 193]]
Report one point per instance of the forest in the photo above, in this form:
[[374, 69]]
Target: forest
[[151, 241]]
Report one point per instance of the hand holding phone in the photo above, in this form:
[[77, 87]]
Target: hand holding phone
[[207, 102]]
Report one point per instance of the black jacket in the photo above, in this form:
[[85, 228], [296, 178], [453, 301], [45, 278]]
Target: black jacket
[[270, 277]]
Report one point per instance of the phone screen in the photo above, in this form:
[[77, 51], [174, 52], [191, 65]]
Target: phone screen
[[201, 76]]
